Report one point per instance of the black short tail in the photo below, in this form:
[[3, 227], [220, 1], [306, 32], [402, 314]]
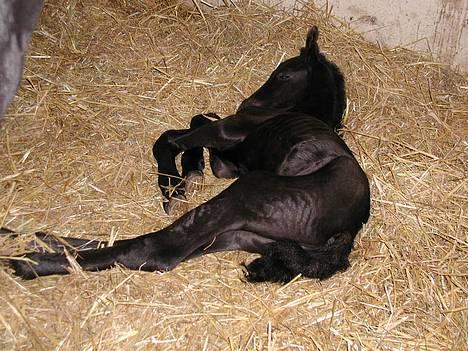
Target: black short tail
[[284, 260]]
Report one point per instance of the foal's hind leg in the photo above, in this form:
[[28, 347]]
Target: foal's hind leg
[[44, 242], [162, 250], [222, 223]]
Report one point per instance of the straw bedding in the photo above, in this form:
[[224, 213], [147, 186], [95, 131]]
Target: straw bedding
[[104, 78]]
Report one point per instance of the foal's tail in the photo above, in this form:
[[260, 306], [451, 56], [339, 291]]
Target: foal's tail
[[284, 260]]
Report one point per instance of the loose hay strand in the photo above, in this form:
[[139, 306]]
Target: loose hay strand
[[104, 79]]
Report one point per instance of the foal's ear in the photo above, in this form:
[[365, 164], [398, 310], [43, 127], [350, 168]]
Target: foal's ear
[[311, 50]]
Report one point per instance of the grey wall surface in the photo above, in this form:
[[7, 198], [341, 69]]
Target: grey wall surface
[[435, 26]]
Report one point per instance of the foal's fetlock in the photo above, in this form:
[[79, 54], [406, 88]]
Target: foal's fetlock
[[176, 206], [194, 182]]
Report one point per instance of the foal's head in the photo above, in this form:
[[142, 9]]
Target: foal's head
[[307, 83]]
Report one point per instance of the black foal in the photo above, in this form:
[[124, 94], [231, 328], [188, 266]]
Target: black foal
[[299, 202]]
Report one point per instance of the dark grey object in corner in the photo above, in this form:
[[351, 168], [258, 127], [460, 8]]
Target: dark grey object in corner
[[17, 21]]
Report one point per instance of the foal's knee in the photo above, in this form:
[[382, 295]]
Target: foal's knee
[[162, 146], [202, 119], [223, 168]]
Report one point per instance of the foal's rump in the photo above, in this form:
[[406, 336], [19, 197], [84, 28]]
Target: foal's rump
[[307, 223]]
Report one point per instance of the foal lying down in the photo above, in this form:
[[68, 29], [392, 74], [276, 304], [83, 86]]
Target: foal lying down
[[299, 200]]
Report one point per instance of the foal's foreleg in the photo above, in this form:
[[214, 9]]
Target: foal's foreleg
[[169, 178], [221, 135], [192, 160], [171, 183]]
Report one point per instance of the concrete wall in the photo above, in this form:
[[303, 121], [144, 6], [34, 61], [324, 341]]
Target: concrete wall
[[435, 26]]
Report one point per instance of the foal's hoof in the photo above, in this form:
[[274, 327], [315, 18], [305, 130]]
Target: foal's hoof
[[194, 182], [6, 231], [176, 206], [22, 269]]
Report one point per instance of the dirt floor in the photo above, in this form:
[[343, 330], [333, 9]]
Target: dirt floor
[[105, 78]]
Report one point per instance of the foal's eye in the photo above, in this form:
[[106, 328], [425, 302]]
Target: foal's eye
[[283, 76]]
